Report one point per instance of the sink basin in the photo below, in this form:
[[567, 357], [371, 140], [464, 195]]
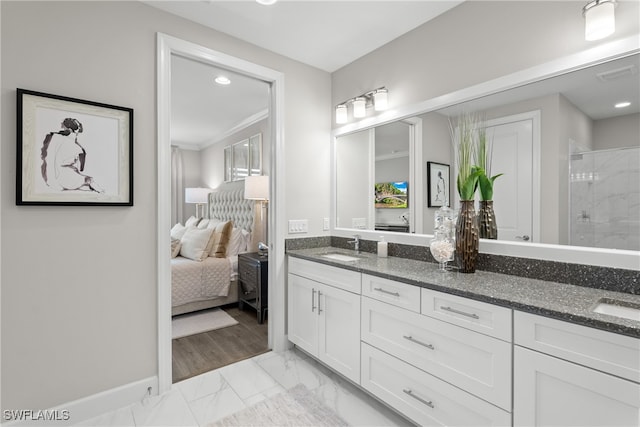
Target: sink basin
[[340, 257], [618, 308]]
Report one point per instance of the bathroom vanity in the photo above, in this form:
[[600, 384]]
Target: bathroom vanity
[[466, 349]]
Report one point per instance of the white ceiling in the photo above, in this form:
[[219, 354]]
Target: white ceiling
[[324, 34]]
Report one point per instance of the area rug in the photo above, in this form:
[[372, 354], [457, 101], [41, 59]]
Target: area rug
[[202, 321], [295, 407]]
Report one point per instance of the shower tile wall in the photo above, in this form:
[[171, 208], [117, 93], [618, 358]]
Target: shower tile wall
[[605, 199]]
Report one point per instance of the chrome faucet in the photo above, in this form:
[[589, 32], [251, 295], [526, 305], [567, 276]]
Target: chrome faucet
[[356, 242]]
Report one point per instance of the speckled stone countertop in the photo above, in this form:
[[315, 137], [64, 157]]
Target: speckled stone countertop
[[557, 300]]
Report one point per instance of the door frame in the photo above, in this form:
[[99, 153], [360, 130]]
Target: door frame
[[166, 47]]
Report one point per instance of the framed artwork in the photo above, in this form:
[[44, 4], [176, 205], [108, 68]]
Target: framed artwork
[[391, 195], [438, 188], [73, 152]]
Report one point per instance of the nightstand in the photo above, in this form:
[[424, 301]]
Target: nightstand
[[253, 273]]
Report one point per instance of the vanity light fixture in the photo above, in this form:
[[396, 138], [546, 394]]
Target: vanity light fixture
[[378, 98], [599, 19]]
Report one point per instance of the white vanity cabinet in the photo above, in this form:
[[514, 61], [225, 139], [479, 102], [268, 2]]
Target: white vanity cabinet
[[324, 314], [436, 372], [572, 375]]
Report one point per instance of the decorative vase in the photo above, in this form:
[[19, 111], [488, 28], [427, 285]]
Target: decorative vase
[[467, 237], [487, 225]]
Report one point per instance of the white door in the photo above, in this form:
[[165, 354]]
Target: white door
[[553, 392], [514, 156], [339, 331], [303, 313]]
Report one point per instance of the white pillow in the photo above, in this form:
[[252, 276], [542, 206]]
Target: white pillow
[[203, 223], [196, 243], [237, 242], [177, 231], [192, 221]]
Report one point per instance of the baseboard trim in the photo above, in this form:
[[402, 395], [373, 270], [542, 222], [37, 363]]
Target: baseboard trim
[[91, 406]]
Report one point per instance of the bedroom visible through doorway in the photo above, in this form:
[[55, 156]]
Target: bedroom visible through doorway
[[208, 121]]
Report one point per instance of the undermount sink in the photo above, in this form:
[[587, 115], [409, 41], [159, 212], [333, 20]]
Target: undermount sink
[[340, 257], [617, 308]]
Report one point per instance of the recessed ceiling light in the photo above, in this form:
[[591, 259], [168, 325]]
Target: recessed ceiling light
[[266, 2], [622, 104], [222, 80]]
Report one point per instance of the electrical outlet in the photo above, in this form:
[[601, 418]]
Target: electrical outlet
[[359, 223], [325, 224], [298, 226]]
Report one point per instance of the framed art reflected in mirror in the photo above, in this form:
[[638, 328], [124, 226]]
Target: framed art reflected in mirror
[[438, 185]]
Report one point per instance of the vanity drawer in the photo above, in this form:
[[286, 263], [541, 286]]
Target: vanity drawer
[[605, 351], [396, 293], [338, 277], [424, 398], [474, 362], [478, 316]]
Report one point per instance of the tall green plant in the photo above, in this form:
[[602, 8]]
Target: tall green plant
[[483, 162], [463, 137]]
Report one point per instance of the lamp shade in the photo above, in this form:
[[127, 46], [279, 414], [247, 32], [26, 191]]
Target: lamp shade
[[341, 114], [359, 107], [256, 187], [380, 100], [196, 195], [599, 19]]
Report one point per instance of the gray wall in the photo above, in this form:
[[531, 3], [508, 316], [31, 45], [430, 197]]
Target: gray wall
[[472, 43], [79, 299]]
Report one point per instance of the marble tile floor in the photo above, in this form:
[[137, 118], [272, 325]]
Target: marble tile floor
[[214, 395]]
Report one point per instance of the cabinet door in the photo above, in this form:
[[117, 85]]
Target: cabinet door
[[339, 331], [303, 313], [553, 392]]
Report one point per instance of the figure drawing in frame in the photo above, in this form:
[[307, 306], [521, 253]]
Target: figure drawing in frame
[[437, 184], [64, 158]]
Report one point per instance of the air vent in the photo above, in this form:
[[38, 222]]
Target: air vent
[[611, 75]]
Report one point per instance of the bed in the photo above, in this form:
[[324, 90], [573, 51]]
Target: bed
[[212, 281]]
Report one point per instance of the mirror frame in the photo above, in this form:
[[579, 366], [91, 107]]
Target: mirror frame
[[613, 258]]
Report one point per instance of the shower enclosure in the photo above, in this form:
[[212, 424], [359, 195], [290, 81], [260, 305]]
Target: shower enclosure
[[604, 194]]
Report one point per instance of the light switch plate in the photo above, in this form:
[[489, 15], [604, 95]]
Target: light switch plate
[[298, 226]]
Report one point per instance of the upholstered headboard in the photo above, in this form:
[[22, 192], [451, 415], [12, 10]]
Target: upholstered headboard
[[227, 203]]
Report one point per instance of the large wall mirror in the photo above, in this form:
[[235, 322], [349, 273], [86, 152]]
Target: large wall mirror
[[570, 158]]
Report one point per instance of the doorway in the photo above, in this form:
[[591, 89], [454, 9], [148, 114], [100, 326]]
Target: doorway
[[168, 46]]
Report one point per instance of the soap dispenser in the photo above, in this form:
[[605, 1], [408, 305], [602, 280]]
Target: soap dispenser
[[382, 248]]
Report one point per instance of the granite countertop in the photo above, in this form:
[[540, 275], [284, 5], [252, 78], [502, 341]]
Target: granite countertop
[[557, 300]]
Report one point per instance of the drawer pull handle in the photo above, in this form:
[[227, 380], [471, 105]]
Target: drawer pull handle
[[313, 300], [424, 344], [395, 294], [453, 310], [418, 398]]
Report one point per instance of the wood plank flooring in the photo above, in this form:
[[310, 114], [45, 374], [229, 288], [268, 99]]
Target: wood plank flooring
[[197, 354]]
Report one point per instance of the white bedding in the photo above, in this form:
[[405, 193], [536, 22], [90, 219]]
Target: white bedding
[[201, 280]]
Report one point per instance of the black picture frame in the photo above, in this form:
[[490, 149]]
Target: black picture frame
[[73, 152], [438, 185]]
